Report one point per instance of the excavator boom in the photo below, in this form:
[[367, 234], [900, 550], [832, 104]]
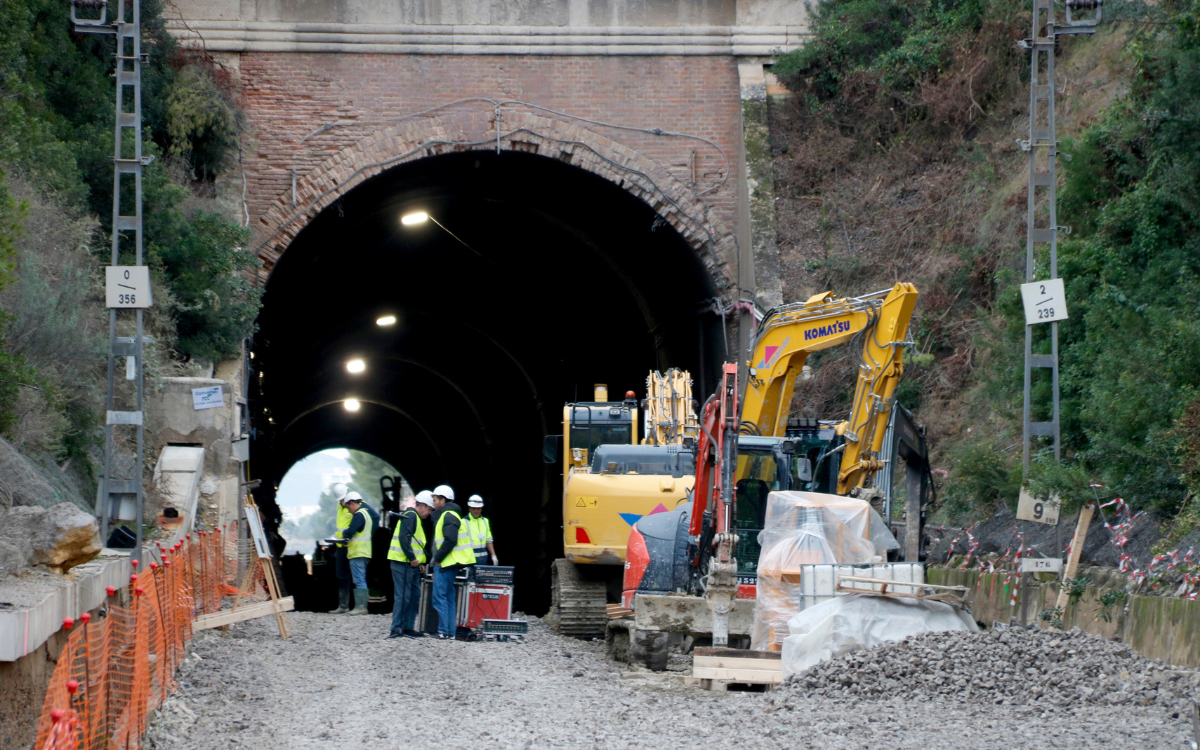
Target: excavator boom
[[876, 327]]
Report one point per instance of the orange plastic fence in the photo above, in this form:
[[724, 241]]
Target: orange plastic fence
[[118, 667]]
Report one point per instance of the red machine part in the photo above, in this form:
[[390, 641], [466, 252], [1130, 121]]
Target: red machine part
[[716, 448], [637, 558]]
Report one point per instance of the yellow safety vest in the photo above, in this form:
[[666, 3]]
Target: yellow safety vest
[[344, 516], [360, 543], [396, 552], [480, 530], [462, 554]]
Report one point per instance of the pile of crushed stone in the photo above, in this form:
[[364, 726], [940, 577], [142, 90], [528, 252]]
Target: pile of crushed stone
[[1003, 667]]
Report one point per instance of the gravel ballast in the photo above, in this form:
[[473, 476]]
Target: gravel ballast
[[338, 684], [1004, 667]]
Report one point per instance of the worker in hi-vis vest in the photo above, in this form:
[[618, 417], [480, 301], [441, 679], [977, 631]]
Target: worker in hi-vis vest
[[480, 531], [451, 551], [341, 565], [408, 555], [358, 547]]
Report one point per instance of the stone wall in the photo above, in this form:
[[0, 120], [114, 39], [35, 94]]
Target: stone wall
[[1157, 627], [289, 97], [23, 686]]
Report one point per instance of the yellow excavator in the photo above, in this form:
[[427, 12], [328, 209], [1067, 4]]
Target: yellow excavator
[[710, 544], [609, 482]]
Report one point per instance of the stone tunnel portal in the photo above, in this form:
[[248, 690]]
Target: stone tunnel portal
[[536, 280]]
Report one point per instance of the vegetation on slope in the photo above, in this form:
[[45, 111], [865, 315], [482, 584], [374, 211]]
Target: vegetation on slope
[[896, 160], [56, 144]]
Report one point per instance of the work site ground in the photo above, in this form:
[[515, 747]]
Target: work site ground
[[337, 683]]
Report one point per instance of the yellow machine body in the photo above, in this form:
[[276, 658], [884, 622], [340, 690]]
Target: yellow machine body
[[599, 509], [605, 506]]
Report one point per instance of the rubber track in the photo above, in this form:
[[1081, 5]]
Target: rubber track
[[577, 606]]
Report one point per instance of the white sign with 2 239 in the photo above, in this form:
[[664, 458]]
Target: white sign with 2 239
[[1044, 301], [127, 287]]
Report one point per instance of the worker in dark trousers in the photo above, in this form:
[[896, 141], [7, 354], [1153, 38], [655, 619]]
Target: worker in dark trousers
[[358, 549], [341, 564], [452, 550], [408, 555]]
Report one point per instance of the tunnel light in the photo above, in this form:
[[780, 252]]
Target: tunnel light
[[352, 404], [356, 366], [420, 217], [386, 320]]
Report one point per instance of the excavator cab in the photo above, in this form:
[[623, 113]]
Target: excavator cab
[[587, 426], [764, 465], [816, 454]]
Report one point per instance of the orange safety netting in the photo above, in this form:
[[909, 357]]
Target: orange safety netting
[[119, 666]]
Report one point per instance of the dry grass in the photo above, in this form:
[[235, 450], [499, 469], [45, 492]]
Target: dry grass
[[945, 212]]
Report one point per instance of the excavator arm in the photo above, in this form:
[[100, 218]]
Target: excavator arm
[[876, 327], [714, 502]]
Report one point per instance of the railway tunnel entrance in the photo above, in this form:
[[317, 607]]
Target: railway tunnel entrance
[[530, 281]]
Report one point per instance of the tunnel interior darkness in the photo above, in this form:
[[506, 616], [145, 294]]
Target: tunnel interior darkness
[[541, 280]]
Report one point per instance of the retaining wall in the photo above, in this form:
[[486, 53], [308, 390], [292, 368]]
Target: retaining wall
[[1157, 627]]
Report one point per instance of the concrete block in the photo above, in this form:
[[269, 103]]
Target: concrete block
[[688, 614], [38, 605], [180, 458]]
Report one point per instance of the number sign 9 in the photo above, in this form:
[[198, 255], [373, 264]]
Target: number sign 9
[[1038, 510]]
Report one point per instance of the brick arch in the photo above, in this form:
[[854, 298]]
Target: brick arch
[[373, 154]]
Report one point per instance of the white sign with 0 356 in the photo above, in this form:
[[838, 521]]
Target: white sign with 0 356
[[1045, 301], [127, 286]]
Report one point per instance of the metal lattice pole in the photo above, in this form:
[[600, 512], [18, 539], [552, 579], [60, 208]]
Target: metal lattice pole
[[1043, 139], [123, 473]]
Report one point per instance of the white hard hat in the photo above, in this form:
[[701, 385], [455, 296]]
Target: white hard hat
[[425, 497], [475, 501], [352, 497], [339, 491], [445, 491]]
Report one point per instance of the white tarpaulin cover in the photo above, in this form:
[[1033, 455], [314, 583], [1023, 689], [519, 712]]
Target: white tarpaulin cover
[[807, 528], [855, 621]]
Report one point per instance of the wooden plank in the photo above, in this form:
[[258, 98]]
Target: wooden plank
[[893, 594], [903, 584], [761, 677], [616, 611], [1081, 530], [262, 609], [724, 662]]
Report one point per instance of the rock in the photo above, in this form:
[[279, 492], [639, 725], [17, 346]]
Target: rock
[[14, 556], [59, 537]]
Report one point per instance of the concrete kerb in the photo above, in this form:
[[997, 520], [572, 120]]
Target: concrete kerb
[[24, 629], [394, 145]]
